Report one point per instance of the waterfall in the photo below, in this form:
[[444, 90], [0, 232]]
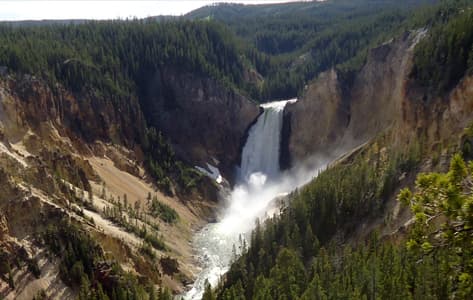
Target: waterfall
[[258, 185], [261, 151]]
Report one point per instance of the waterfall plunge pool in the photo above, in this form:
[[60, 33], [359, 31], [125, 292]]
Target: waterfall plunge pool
[[260, 182]]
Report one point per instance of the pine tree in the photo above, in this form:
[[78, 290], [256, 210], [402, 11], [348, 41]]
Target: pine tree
[[208, 292]]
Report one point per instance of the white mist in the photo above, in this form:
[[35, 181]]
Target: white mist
[[260, 183]]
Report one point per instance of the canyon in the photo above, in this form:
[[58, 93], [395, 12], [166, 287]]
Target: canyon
[[170, 179]]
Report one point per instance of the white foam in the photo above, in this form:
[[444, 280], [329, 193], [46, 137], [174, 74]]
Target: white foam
[[260, 182]]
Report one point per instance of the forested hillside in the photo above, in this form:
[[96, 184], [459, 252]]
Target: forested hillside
[[289, 257], [291, 43], [447, 55], [311, 250], [288, 44], [116, 57], [116, 62]]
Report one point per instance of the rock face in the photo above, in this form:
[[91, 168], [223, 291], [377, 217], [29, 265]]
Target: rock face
[[3, 227], [203, 120], [332, 115], [316, 121], [437, 118], [86, 116], [378, 89]]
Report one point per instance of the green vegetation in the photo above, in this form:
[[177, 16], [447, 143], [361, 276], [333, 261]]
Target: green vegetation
[[79, 253], [348, 192], [163, 165], [292, 43], [209, 294], [446, 55], [83, 267], [117, 215], [33, 267], [467, 143], [287, 44], [160, 159], [298, 254], [118, 58], [292, 256], [163, 211], [334, 202], [343, 45], [443, 208], [10, 260], [147, 250], [41, 295], [435, 263], [113, 64]]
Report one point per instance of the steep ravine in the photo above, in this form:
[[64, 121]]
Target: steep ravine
[[52, 140]]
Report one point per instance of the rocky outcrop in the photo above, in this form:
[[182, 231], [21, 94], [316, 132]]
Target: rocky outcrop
[[204, 120], [84, 117], [437, 119], [333, 115], [8, 190], [380, 88], [316, 122], [3, 227]]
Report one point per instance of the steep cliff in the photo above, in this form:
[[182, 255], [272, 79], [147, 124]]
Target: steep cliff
[[379, 88], [333, 116], [87, 116], [204, 120], [315, 123], [437, 118]]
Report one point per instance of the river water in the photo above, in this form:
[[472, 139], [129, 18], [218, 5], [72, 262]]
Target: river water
[[259, 183]]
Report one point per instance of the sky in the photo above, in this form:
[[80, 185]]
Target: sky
[[103, 9]]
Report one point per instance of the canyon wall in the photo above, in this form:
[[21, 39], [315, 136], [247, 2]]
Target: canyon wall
[[205, 121], [334, 116]]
